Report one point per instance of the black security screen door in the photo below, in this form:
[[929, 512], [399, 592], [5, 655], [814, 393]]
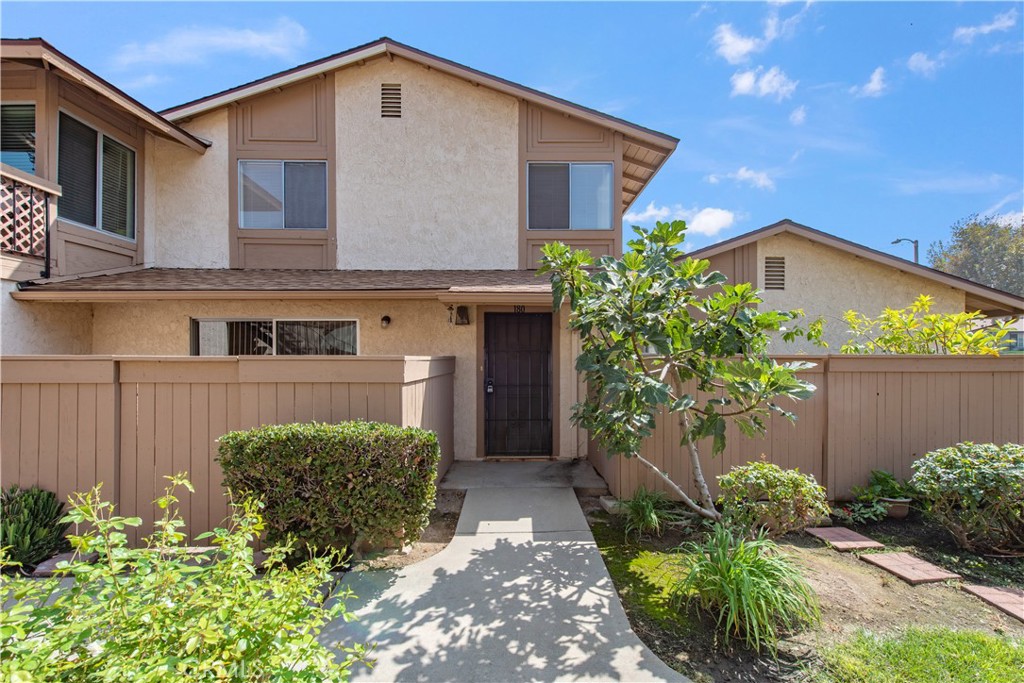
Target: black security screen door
[[517, 384]]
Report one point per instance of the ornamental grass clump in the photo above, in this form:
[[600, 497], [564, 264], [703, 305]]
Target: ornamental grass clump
[[31, 529], [336, 486], [650, 513], [761, 496], [753, 589], [975, 491], [159, 613]]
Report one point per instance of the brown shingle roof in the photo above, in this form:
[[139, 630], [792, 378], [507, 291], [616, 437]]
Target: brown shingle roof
[[208, 280]]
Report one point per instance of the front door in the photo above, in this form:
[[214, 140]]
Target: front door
[[517, 384]]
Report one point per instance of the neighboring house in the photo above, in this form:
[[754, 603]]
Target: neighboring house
[[380, 201], [800, 267]]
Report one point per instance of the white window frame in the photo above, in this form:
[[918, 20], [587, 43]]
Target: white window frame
[[99, 180], [570, 164], [273, 330], [281, 163]]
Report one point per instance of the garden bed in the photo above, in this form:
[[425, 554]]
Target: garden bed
[[853, 596]]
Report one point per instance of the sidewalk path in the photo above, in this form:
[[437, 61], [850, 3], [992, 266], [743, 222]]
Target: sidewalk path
[[521, 594]]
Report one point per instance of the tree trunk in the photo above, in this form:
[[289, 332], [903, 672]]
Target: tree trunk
[[703, 492], [706, 512]]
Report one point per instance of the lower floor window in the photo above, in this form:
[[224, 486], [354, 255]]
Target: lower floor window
[[269, 337]]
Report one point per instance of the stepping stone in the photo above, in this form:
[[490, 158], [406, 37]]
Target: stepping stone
[[1009, 600], [911, 569], [843, 539]]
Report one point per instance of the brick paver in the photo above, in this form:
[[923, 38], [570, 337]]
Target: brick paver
[[911, 569], [843, 539], [1009, 600]]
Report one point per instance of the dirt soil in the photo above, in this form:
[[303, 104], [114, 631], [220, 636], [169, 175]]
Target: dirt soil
[[853, 595], [438, 534]]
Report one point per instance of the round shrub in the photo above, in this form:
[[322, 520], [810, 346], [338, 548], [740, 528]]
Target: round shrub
[[763, 495], [335, 486], [976, 491]]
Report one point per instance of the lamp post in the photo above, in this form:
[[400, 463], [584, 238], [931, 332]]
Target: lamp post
[[914, 242]]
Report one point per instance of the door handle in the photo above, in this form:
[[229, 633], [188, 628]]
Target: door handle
[[489, 386]]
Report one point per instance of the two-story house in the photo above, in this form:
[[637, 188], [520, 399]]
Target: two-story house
[[380, 201]]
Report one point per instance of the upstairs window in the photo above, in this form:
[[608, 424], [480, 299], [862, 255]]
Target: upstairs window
[[282, 194], [275, 337], [18, 136], [97, 178], [569, 196]]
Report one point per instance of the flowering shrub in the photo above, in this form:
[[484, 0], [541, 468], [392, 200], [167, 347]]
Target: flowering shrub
[[976, 491], [762, 494], [158, 614]]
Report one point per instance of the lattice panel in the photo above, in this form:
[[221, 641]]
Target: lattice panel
[[22, 218]]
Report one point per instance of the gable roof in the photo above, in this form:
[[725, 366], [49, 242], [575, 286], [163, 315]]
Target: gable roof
[[990, 301], [644, 150], [38, 50]]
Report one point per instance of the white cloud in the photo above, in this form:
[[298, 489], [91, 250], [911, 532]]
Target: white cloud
[[736, 48], [997, 207], [798, 115], [1014, 218], [761, 83], [1001, 22], [147, 81], [922, 65], [875, 86], [758, 179], [706, 221], [195, 44], [962, 183]]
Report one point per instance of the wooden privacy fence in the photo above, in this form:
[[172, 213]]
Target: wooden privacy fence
[[68, 423], [869, 412]]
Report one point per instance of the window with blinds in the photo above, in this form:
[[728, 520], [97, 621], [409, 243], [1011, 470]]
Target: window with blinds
[[774, 272], [275, 337], [569, 196], [18, 136], [97, 178], [282, 194]]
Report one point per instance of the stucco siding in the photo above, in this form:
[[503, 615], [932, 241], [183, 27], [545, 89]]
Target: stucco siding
[[436, 188], [31, 327], [826, 282], [189, 208], [417, 328]]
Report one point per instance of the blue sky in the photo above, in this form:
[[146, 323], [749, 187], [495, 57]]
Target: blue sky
[[868, 120]]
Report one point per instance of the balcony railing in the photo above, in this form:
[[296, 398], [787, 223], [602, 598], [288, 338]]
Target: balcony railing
[[25, 214]]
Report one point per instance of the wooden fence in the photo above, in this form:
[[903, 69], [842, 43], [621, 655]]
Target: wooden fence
[[69, 423], [869, 412]]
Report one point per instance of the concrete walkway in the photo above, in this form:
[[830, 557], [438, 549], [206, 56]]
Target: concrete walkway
[[521, 594]]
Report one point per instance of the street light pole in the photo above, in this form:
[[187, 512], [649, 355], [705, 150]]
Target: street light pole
[[914, 242]]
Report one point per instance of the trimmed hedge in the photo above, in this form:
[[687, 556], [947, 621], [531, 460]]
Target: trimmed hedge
[[335, 486]]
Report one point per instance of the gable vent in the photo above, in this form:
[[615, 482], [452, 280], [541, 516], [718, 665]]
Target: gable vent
[[391, 100], [774, 272]]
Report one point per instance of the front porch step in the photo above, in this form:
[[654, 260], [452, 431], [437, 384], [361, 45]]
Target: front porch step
[[579, 475]]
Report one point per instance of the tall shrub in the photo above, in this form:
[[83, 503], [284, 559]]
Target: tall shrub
[[976, 491], [335, 485]]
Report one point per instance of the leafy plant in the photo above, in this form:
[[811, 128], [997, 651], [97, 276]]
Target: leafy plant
[[882, 484], [976, 492], [31, 529], [762, 495], [649, 512], [755, 591], [335, 485], [157, 614], [861, 512], [661, 333], [916, 330]]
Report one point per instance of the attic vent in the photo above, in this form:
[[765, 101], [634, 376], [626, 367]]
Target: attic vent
[[774, 272], [391, 100]]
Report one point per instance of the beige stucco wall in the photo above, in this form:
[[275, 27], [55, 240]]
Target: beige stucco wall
[[188, 206], [42, 328], [826, 282], [437, 188], [417, 328]]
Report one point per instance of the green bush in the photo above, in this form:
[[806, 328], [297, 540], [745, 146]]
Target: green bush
[[861, 512], [975, 491], [882, 484], [649, 512], [335, 485], [157, 614], [762, 495], [30, 526], [754, 590]]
